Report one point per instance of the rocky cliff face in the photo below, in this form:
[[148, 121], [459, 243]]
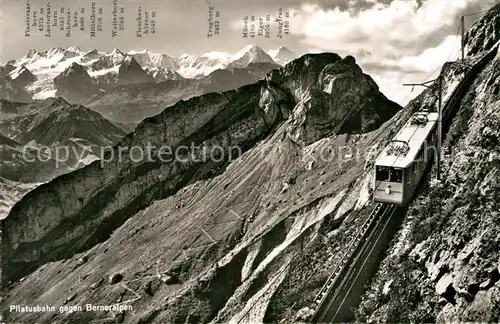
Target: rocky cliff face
[[54, 121], [21, 76], [444, 264], [9, 89], [75, 84], [484, 33], [7, 108], [197, 239], [51, 137]]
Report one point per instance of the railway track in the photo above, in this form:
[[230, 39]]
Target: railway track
[[333, 295], [343, 288]]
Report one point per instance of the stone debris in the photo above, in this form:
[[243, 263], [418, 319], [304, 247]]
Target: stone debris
[[115, 278], [96, 284]]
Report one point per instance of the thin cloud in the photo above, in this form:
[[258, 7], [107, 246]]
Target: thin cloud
[[394, 41]]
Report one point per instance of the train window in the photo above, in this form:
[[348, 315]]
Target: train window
[[382, 173], [396, 175]]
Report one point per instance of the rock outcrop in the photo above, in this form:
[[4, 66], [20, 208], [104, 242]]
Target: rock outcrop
[[75, 85], [484, 33]]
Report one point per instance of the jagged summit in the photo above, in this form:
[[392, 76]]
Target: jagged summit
[[92, 53], [75, 84], [150, 60], [74, 67], [130, 72], [250, 54], [90, 56], [304, 69], [54, 51], [117, 51], [282, 55], [31, 53], [21, 72], [21, 77], [75, 49]]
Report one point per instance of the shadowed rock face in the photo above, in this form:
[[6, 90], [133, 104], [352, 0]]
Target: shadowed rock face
[[75, 85], [21, 77], [272, 118], [7, 107], [11, 89]]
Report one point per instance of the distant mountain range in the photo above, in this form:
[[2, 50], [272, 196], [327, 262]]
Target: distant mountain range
[[48, 123], [86, 77], [37, 70], [32, 135]]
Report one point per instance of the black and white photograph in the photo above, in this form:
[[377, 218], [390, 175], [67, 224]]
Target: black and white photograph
[[245, 162]]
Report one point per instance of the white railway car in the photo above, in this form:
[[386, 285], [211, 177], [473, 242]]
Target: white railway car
[[401, 165]]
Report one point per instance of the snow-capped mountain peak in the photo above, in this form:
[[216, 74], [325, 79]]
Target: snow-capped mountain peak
[[54, 51], [282, 55], [192, 66], [31, 53], [91, 55], [107, 69], [250, 54], [150, 60], [116, 56], [75, 49], [116, 51], [249, 49]]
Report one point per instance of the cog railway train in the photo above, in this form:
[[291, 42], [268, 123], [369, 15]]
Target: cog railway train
[[402, 163]]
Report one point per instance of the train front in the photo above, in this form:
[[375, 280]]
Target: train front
[[388, 186]]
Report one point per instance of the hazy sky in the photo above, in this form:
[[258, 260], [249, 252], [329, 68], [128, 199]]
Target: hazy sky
[[393, 41]]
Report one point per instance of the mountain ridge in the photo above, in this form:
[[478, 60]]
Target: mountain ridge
[[45, 65]]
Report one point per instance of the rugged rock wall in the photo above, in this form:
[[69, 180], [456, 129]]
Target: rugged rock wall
[[484, 33], [75, 84]]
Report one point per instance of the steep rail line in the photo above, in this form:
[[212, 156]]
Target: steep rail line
[[324, 298], [342, 288]]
